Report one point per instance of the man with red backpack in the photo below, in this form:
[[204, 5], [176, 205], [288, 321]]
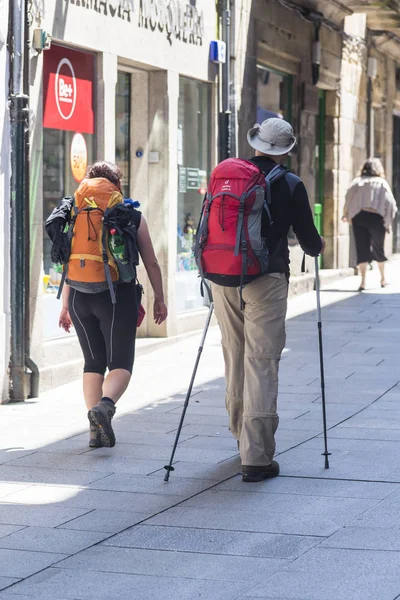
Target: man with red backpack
[[242, 249]]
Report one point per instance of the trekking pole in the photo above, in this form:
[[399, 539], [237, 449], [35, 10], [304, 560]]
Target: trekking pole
[[169, 467], [321, 361]]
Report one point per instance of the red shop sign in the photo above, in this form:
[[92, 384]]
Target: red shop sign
[[68, 90]]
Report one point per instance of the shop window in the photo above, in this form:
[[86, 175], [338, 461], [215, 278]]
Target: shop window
[[68, 148], [123, 128], [194, 165]]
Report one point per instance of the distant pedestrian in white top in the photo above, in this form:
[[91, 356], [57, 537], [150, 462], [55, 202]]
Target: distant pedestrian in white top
[[371, 208]]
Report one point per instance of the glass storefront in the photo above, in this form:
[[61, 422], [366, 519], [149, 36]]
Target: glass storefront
[[68, 148], [194, 166], [123, 128]]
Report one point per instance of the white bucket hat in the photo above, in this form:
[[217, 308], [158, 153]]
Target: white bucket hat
[[274, 137]]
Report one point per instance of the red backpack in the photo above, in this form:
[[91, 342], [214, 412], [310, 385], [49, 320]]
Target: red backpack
[[230, 250]]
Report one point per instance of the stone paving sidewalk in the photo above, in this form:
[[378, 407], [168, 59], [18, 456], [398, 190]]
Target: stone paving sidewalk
[[81, 524]]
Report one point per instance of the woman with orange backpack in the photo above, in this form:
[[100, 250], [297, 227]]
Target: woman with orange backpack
[[99, 299]]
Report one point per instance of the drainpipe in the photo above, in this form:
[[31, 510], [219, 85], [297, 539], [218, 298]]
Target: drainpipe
[[34, 378], [234, 134], [225, 125], [19, 130]]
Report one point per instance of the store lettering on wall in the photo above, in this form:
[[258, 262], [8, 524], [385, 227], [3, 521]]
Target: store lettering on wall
[[109, 8], [176, 19], [173, 17]]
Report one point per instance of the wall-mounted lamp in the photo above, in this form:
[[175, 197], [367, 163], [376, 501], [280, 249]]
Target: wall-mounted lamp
[[41, 40]]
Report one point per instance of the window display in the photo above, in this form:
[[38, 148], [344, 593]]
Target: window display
[[68, 146], [194, 166]]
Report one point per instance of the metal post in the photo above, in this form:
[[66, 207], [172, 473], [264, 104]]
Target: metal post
[[19, 116], [35, 376]]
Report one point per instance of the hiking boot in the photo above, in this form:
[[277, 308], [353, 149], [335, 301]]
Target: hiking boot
[[254, 474], [100, 416], [94, 435]]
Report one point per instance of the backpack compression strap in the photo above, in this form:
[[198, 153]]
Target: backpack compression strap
[[201, 237], [65, 266], [107, 269], [273, 176]]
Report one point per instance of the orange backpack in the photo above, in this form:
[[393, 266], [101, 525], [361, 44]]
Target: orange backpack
[[91, 265]]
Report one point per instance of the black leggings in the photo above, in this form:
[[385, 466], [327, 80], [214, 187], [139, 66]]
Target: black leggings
[[106, 332], [369, 234]]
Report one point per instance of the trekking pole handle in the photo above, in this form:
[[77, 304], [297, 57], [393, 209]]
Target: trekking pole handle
[[208, 321]]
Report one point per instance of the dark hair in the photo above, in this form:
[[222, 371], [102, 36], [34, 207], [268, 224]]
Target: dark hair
[[373, 168], [105, 169]]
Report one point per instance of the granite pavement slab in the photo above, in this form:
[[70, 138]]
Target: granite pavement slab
[[84, 585], [38, 515], [50, 539], [167, 563], [105, 521], [216, 542], [321, 586], [21, 564], [80, 498]]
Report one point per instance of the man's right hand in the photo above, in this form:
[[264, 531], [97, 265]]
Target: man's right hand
[[323, 245]]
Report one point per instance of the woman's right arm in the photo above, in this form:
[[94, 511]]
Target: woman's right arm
[[65, 296], [65, 319]]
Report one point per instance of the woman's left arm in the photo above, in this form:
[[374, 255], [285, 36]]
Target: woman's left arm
[[153, 270]]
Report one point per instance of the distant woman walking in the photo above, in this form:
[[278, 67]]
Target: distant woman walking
[[371, 208]]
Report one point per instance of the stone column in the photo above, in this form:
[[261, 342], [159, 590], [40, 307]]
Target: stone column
[[162, 188], [345, 139], [107, 67]]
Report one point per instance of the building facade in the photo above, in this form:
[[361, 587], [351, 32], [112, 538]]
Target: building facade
[[332, 70], [130, 81]]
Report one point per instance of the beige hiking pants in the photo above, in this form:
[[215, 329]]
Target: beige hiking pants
[[252, 342]]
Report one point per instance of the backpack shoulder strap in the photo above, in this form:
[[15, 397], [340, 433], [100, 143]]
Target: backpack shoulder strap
[[273, 176]]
